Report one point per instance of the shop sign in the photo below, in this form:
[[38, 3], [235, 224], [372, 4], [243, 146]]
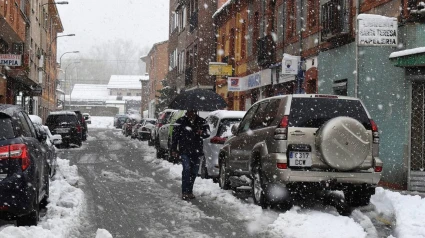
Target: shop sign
[[37, 91], [290, 64], [220, 69], [260, 79], [377, 30], [10, 60]]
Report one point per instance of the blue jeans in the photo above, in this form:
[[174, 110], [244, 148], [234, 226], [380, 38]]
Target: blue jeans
[[190, 171]]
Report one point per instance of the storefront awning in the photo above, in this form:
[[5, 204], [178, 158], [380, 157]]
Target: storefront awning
[[409, 58]]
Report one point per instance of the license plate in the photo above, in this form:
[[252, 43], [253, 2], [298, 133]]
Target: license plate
[[62, 130], [300, 159]]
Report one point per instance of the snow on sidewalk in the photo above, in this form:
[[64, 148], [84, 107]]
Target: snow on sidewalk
[[64, 211]]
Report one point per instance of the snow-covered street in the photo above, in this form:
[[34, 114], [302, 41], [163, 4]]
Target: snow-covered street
[[114, 186]]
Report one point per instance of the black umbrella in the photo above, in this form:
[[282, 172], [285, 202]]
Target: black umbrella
[[198, 99]]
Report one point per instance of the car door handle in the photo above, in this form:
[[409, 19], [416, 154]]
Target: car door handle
[[297, 133]]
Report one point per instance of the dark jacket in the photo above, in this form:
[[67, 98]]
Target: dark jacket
[[186, 140]]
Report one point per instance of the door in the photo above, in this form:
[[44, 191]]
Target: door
[[417, 140]]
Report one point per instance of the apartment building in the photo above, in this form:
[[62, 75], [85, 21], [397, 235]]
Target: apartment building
[[157, 68], [28, 32], [191, 44]]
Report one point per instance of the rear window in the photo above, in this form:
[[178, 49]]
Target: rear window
[[122, 118], [61, 119], [308, 112], [225, 127], [153, 122], [6, 128]]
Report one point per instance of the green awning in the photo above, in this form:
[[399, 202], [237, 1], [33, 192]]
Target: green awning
[[409, 58]]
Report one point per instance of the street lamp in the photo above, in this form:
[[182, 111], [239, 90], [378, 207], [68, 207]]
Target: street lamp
[[64, 99], [69, 52], [56, 3]]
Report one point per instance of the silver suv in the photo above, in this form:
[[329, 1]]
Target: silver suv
[[293, 144]]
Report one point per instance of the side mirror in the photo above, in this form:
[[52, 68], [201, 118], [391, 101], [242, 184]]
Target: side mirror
[[235, 128], [42, 135], [56, 139]]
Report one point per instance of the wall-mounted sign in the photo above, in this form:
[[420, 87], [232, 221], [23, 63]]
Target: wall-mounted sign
[[377, 30], [10, 60], [220, 69], [290, 64], [260, 79], [36, 91]]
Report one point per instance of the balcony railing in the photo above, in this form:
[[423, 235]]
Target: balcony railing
[[265, 50], [335, 18], [188, 76], [193, 21]]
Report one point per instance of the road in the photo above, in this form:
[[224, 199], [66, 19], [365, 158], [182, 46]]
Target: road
[[131, 195]]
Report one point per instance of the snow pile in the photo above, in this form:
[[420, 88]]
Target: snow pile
[[409, 212], [101, 122], [102, 233], [66, 204], [315, 224]]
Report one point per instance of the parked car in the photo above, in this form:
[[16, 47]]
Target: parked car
[[87, 117], [144, 131], [24, 170], [220, 123], [127, 127], [135, 127], [119, 120], [163, 117], [165, 135], [296, 144], [66, 124], [83, 125], [49, 144]]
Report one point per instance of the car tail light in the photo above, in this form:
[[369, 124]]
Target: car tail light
[[281, 132], [375, 132], [78, 128], [217, 140], [282, 165], [378, 169], [16, 151]]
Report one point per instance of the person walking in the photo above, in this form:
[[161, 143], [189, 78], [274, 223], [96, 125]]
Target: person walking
[[187, 142]]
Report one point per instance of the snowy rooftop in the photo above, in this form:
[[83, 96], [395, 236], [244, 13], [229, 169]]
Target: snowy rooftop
[[222, 7], [90, 92], [407, 52], [126, 81]]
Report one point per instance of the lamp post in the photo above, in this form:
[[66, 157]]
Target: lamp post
[[64, 99], [69, 52]]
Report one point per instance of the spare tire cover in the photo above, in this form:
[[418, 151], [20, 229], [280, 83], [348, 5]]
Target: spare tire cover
[[343, 143]]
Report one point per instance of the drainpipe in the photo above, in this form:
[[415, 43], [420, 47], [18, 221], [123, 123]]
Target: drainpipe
[[356, 75], [300, 75]]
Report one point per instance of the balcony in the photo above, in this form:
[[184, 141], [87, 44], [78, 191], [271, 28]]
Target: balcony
[[335, 19], [193, 21], [266, 48], [188, 76]]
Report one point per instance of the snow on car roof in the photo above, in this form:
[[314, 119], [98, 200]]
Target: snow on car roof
[[62, 113], [36, 119], [228, 114]]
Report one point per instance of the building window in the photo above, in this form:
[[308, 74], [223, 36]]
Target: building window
[[312, 14], [128, 94], [243, 40], [291, 19], [138, 94], [256, 31], [335, 16], [340, 87]]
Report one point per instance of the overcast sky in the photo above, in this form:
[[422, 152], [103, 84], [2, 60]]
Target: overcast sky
[[144, 22]]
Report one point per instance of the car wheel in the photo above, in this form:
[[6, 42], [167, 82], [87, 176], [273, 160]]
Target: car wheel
[[30, 219], [44, 202], [159, 153], [257, 186], [223, 180], [357, 198], [79, 143]]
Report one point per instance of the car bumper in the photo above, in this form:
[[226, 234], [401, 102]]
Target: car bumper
[[288, 176], [144, 135], [16, 196]]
